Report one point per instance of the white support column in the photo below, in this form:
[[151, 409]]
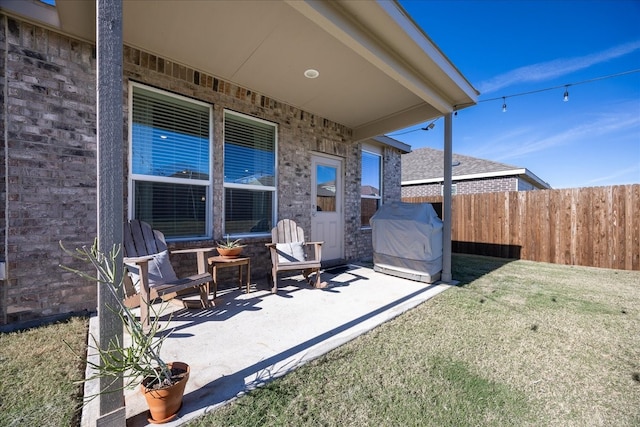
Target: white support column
[[446, 200], [110, 192]]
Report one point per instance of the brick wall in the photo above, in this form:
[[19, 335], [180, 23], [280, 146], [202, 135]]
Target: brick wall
[[486, 185], [51, 173], [421, 190], [299, 134], [50, 168]]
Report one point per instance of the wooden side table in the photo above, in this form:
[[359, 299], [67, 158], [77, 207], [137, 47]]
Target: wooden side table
[[219, 262]]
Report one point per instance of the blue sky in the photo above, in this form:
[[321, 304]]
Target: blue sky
[[512, 47]]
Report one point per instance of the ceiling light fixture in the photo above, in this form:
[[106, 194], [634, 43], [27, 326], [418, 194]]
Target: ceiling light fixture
[[311, 73]]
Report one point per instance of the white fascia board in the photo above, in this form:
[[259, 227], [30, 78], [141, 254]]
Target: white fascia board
[[421, 39], [385, 140], [399, 120], [422, 181], [535, 179], [511, 172]]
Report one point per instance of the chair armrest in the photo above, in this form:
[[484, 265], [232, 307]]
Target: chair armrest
[[202, 262], [137, 259], [317, 249], [192, 250], [269, 245]]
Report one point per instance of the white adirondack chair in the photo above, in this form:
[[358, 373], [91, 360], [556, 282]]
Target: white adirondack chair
[[289, 251]]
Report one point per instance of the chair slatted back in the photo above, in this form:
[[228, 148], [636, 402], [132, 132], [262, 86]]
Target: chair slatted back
[[140, 239], [287, 231]]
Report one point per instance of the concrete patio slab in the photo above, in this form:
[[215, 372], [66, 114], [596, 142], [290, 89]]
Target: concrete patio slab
[[247, 340]]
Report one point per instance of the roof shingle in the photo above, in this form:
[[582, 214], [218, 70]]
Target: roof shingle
[[427, 163]]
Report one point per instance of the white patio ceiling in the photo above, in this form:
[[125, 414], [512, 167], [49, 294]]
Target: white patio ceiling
[[379, 72]]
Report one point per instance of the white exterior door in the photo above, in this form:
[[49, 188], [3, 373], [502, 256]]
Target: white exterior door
[[326, 204]]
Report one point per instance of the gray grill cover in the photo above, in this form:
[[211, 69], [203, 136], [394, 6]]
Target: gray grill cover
[[407, 241]]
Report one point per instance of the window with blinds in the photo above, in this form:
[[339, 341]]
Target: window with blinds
[[249, 174], [170, 163], [370, 186]]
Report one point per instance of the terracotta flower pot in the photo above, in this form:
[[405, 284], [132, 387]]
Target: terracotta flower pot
[[164, 403], [230, 252]]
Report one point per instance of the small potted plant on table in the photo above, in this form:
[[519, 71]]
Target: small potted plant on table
[[162, 383], [229, 248]]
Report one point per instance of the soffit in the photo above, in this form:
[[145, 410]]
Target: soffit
[[378, 71]]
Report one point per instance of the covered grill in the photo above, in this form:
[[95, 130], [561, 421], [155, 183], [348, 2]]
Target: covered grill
[[407, 241]]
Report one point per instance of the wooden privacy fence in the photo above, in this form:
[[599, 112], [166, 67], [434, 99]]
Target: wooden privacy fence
[[594, 226]]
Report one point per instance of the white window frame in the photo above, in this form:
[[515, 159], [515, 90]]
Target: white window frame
[[137, 177], [375, 151], [273, 189]]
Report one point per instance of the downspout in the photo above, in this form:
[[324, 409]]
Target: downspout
[[446, 200]]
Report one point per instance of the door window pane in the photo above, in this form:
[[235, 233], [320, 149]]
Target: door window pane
[[326, 188]]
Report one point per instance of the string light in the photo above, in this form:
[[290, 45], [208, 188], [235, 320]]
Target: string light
[[429, 126], [565, 97], [566, 85]]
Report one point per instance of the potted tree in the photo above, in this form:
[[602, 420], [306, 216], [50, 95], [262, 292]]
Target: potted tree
[[229, 248], [139, 361]]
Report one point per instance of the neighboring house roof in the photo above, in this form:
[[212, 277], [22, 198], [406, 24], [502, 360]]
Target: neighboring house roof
[[256, 179], [326, 189], [368, 190], [378, 70], [425, 166]]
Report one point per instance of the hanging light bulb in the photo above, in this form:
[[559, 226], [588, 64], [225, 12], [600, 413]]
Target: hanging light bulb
[[430, 126], [504, 104], [566, 94]]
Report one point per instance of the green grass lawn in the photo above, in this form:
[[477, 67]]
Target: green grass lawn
[[38, 375], [515, 344]]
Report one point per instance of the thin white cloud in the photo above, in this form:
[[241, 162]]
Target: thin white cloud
[[496, 147], [556, 68], [535, 143], [633, 172]]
